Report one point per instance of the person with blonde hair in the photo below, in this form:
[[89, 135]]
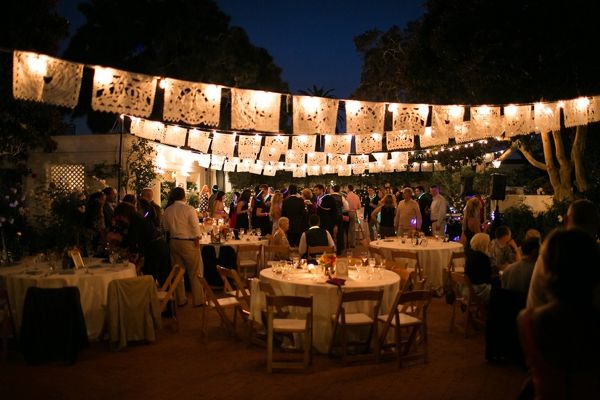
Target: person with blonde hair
[[471, 223], [478, 266], [276, 209], [203, 200]]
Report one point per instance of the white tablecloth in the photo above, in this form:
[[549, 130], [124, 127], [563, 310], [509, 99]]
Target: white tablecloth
[[433, 257], [92, 286], [325, 297]]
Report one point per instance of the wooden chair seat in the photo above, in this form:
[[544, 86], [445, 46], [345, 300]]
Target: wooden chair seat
[[411, 258], [473, 306], [248, 258], [415, 321], [294, 324], [342, 320], [220, 305], [318, 250], [166, 293]]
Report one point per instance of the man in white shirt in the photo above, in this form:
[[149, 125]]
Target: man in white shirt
[[439, 206], [353, 207], [314, 236], [408, 214], [181, 221]]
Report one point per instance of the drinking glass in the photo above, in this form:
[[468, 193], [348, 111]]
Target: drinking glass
[[365, 256]]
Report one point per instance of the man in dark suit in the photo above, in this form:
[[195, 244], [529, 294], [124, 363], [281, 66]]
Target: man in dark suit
[[293, 208], [424, 200], [370, 203], [326, 209]]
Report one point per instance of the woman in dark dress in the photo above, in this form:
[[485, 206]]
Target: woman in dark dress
[[241, 209], [387, 212]]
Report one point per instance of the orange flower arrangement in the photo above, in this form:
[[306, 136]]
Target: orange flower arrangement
[[328, 262]]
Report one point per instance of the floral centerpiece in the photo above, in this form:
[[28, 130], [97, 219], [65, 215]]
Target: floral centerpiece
[[327, 260]]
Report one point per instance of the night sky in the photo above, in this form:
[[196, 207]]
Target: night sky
[[311, 40]]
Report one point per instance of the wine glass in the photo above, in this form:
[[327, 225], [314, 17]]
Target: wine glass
[[364, 256]]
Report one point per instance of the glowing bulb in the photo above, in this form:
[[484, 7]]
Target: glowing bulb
[[455, 111], [37, 64], [582, 103], [510, 111], [484, 110], [103, 76], [352, 106], [423, 110], [428, 131], [310, 104], [213, 92], [393, 107], [163, 84], [262, 99]]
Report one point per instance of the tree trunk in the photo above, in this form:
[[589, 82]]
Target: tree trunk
[[577, 152], [559, 176], [565, 166]]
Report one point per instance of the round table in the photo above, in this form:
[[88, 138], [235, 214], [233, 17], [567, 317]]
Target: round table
[[93, 287], [433, 257], [325, 296]]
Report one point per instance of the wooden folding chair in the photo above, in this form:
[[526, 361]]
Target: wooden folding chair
[[289, 325], [411, 258], [314, 251], [166, 293], [248, 257], [234, 285], [275, 253], [343, 319], [473, 306], [407, 278], [219, 305], [409, 311], [7, 322]]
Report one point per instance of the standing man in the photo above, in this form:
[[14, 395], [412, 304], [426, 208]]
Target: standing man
[[181, 221], [424, 201], [370, 203], [353, 206], [408, 214], [339, 218], [326, 209], [109, 207], [439, 206], [148, 195], [293, 208]]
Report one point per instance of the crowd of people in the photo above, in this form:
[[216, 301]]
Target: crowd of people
[[545, 294], [557, 280]]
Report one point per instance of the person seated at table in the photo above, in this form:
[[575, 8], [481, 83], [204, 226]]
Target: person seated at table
[[478, 266], [517, 276], [560, 338], [503, 249], [279, 238], [314, 236]]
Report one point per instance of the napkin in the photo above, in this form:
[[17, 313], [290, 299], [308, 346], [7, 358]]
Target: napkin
[[336, 281]]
